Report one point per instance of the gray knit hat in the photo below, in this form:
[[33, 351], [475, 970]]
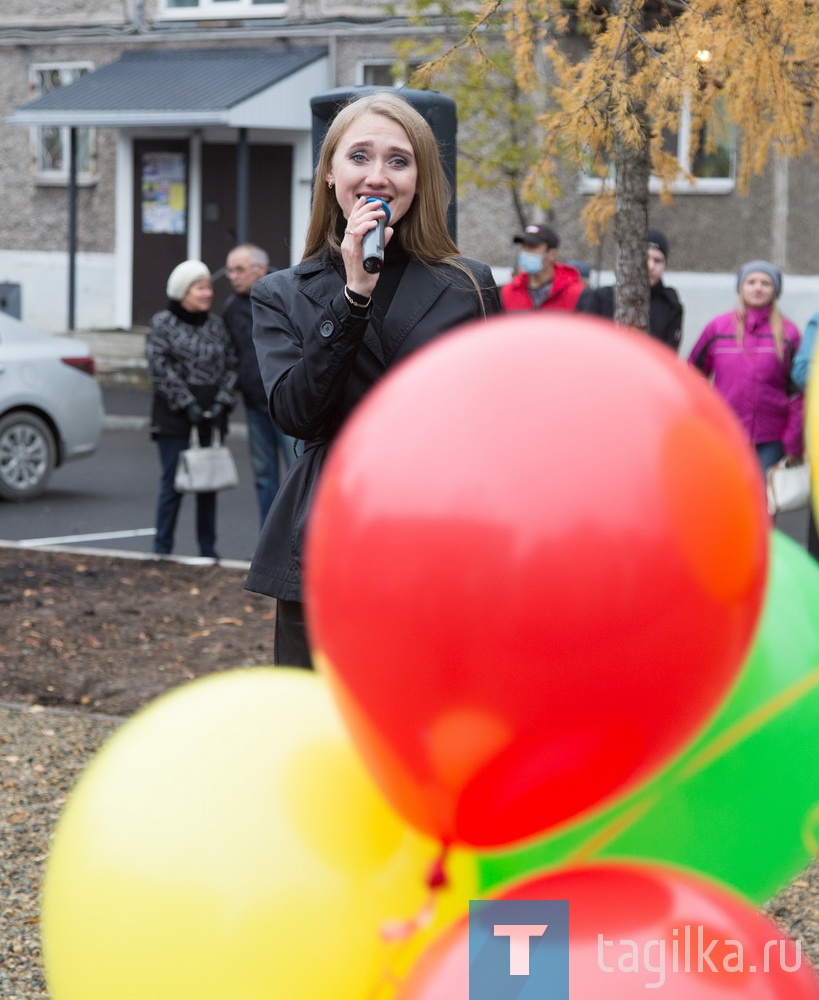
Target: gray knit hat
[[183, 276], [765, 267]]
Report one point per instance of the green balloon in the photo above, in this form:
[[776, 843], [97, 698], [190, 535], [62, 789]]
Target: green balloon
[[741, 803]]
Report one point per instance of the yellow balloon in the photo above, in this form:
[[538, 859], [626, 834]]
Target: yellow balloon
[[228, 844], [812, 433]]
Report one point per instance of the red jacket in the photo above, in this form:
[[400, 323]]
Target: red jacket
[[566, 289]]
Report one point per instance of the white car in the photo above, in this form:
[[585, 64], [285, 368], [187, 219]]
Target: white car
[[50, 407]]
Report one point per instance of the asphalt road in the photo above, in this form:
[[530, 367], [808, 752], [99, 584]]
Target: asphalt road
[[107, 501]]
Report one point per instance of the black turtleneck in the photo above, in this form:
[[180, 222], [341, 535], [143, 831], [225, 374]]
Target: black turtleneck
[[395, 263], [193, 319]]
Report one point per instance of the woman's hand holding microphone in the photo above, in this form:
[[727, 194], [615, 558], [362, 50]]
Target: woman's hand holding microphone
[[365, 236]]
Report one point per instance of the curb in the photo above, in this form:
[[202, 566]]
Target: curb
[[117, 422], [38, 710], [122, 554]]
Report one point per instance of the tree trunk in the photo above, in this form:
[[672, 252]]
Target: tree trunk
[[633, 173]]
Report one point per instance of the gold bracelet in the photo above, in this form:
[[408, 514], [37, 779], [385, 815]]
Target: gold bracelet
[[356, 300]]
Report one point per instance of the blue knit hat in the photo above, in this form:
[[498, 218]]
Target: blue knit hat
[[765, 267]]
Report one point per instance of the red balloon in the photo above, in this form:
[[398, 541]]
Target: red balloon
[[636, 928], [534, 566]]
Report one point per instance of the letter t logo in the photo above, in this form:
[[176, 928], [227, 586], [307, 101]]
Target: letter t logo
[[519, 935]]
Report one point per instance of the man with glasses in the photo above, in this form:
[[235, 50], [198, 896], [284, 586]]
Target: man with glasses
[[269, 446]]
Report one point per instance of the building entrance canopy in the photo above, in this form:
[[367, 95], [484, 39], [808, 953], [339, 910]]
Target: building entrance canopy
[[239, 88]]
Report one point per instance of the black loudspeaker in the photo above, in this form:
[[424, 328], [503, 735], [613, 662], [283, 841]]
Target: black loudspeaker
[[438, 110]]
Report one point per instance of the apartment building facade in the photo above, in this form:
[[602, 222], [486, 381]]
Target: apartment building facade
[[192, 129]]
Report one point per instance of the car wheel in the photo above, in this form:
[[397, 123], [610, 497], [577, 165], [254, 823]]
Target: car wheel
[[27, 455]]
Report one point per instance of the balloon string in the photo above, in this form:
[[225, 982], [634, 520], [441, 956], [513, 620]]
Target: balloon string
[[749, 724], [401, 930], [399, 933], [726, 741]]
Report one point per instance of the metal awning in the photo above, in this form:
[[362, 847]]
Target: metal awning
[[265, 88], [240, 88]]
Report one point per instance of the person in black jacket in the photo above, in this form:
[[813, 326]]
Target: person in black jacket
[[665, 318], [269, 447], [327, 330], [193, 369]]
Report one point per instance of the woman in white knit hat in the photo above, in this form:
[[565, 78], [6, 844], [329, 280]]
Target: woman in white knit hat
[[194, 370]]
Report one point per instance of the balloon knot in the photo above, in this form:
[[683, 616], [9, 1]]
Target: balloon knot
[[437, 877], [403, 930]]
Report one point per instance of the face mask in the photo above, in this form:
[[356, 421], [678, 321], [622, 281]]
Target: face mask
[[530, 263]]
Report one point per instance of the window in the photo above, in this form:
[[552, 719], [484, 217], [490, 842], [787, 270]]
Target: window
[[186, 10], [51, 143], [385, 73], [717, 161], [711, 165]]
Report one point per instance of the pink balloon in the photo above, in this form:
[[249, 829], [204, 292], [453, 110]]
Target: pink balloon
[[625, 921]]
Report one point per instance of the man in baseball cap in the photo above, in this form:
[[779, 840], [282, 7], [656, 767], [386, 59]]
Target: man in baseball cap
[[541, 281]]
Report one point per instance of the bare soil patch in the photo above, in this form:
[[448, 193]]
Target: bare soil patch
[[107, 635]]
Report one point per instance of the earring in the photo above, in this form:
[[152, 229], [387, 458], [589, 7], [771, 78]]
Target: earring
[[330, 184]]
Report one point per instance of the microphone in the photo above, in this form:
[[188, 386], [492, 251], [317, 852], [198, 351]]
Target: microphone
[[372, 246]]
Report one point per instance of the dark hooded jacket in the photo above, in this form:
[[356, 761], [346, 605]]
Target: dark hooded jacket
[[665, 315]]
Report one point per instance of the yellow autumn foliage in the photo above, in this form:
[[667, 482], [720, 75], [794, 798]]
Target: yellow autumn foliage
[[644, 62]]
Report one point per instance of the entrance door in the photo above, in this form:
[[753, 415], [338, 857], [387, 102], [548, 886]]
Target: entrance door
[[160, 221], [268, 223], [161, 204]]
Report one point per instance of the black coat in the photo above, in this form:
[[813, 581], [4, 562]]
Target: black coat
[[665, 315], [238, 317], [318, 359]]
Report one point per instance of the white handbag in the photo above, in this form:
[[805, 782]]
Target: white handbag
[[205, 469], [788, 487]]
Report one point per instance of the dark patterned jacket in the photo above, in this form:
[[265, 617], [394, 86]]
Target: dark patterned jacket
[[191, 359]]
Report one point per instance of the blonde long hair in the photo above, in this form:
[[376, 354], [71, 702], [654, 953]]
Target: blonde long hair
[[774, 321], [423, 233]]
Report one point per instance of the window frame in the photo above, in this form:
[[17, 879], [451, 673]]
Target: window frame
[[685, 183], [45, 177], [221, 10], [363, 64]]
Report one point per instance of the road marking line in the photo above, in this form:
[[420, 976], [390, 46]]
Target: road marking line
[[98, 537]]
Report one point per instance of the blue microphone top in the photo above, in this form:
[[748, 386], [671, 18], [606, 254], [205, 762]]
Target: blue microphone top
[[384, 205]]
